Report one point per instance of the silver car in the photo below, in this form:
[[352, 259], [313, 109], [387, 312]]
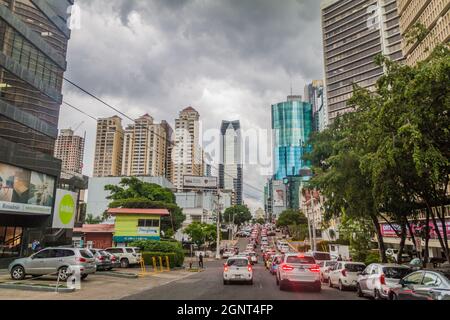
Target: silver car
[[53, 261], [379, 279], [298, 269]]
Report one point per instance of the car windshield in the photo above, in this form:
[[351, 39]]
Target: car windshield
[[297, 259], [395, 273], [237, 262], [85, 254], [330, 263], [137, 250], [351, 267]]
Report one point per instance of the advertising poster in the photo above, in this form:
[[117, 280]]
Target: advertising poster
[[200, 182], [65, 209]]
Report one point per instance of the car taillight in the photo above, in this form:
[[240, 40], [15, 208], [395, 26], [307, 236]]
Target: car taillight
[[286, 267], [314, 268], [81, 260], [113, 258], [225, 268], [344, 272], [100, 258], [383, 279], [249, 267]]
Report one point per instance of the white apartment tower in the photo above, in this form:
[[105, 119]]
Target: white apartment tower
[[69, 148]]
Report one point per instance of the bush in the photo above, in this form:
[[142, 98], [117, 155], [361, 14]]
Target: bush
[[372, 257], [148, 258], [162, 246]]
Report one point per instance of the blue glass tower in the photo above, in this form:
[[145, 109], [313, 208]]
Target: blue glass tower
[[292, 127]]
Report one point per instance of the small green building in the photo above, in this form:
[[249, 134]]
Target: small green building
[[137, 224]]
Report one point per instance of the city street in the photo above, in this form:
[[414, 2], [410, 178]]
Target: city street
[[208, 285]]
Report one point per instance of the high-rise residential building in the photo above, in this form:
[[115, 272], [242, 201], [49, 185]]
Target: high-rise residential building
[[354, 33], [230, 167], [69, 149], [292, 127], [33, 41], [434, 15], [186, 152], [145, 148], [314, 94], [108, 147]]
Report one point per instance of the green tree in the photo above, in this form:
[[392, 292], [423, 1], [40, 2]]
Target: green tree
[[291, 217], [241, 214], [90, 219], [260, 221], [134, 193], [201, 233]]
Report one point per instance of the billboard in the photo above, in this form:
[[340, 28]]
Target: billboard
[[25, 191], [200, 182], [65, 209], [279, 194]]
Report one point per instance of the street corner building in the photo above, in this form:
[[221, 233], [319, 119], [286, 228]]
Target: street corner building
[[33, 35], [136, 224]]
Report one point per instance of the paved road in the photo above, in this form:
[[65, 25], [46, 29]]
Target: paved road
[[208, 285]]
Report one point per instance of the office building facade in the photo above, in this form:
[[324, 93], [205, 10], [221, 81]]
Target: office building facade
[[315, 95], [34, 36], [230, 167], [354, 33], [108, 147], [434, 15]]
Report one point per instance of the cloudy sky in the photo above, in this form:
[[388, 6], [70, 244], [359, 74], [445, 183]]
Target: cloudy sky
[[229, 59]]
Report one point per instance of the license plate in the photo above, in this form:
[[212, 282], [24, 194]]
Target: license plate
[[238, 276]]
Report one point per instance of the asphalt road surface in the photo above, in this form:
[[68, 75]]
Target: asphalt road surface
[[208, 285]]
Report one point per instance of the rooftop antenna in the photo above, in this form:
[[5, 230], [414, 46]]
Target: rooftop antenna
[[291, 86]]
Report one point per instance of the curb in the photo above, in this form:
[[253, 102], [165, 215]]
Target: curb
[[118, 274], [27, 287]]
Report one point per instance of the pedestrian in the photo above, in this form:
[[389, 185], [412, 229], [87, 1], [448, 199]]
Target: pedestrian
[[35, 246], [339, 258], [200, 260]]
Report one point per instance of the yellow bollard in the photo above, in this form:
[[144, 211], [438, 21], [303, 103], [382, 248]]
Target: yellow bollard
[[155, 269], [160, 264], [168, 263], [143, 269]]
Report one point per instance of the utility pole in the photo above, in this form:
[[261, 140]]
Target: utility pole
[[218, 209]]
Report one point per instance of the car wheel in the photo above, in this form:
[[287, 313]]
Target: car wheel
[[318, 288], [359, 292], [84, 276], [225, 282], [393, 296], [376, 295], [18, 273], [341, 286], [278, 281], [283, 286], [63, 273], [250, 282], [124, 263], [330, 284]]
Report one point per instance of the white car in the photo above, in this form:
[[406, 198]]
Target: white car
[[378, 280], [126, 255], [227, 253], [345, 274], [298, 269], [325, 270], [237, 269]]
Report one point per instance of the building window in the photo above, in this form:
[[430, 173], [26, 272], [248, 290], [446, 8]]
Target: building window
[[148, 223], [10, 241]]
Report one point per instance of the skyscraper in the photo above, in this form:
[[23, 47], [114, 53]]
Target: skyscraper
[[314, 94], [292, 127], [434, 15], [33, 38], [230, 167], [144, 150], [354, 33], [108, 147], [69, 149], [186, 152]]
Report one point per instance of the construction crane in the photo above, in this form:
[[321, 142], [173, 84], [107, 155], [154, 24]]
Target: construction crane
[[78, 126]]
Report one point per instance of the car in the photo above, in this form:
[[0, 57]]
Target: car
[[237, 269], [54, 260], [115, 263], [227, 253], [378, 280], [393, 253], [415, 264], [325, 269], [126, 255], [298, 269], [253, 257], [102, 259], [345, 274], [321, 256], [423, 285]]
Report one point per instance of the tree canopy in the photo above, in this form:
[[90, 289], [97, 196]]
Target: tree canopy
[[241, 214], [201, 233]]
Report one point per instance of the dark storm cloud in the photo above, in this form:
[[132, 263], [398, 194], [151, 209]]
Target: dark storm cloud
[[230, 59]]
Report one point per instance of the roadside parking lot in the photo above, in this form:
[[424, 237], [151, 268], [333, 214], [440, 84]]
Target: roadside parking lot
[[97, 286]]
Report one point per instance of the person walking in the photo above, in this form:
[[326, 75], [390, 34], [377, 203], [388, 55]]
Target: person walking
[[339, 258], [200, 260]]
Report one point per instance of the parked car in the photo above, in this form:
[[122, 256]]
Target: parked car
[[127, 255], [325, 269], [237, 269], [321, 256], [345, 274], [423, 285], [298, 269], [102, 259], [53, 261], [115, 262], [378, 280]]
